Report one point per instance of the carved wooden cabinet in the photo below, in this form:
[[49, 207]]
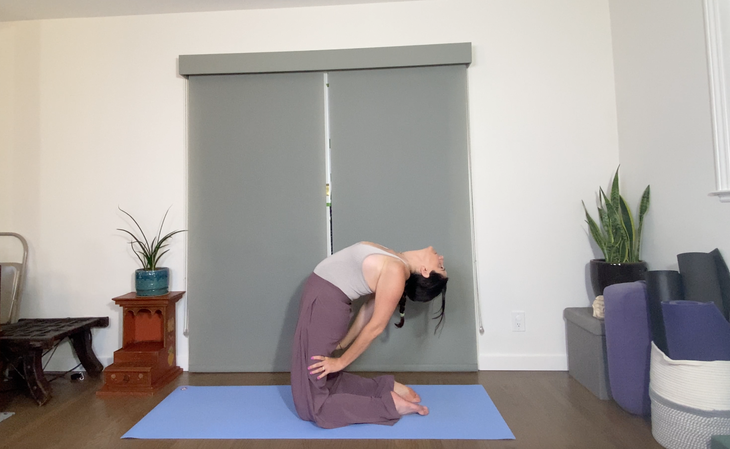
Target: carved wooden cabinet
[[147, 360]]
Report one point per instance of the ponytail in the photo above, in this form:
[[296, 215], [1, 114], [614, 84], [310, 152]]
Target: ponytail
[[402, 311]]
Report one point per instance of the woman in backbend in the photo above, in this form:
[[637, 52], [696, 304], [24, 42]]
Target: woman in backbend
[[322, 391]]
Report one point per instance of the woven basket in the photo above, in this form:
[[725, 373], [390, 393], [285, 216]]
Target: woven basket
[[689, 401], [677, 427], [694, 384]]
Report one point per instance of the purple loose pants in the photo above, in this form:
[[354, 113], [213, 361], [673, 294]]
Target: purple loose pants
[[341, 398]]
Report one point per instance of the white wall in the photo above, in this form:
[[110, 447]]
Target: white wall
[[95, 120], [665, 129]]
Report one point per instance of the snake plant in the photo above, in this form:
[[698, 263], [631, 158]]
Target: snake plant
[[149, 252], [618, 236]]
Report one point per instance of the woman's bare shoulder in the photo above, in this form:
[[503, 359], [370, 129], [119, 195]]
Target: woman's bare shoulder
[[391, 279], [381, 247], [379, 267]]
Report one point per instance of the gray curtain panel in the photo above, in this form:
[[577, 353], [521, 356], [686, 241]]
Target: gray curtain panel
[[256, 214], [400, 178]]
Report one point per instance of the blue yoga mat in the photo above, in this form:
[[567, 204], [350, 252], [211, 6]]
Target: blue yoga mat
[[463, 412]]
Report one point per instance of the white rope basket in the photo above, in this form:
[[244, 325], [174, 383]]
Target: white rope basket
[[677, 427], [695, 384], [690, 401]]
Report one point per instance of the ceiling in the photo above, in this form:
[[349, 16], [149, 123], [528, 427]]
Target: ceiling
[[15, 10]]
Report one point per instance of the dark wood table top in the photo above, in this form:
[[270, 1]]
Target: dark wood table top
[[46, 331]]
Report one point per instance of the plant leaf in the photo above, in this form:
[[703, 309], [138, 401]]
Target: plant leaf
[[148, 253], [615, 193], [147, 245], [618, 249], [643, 208], [598, 236], [605, 204], [627, 222]]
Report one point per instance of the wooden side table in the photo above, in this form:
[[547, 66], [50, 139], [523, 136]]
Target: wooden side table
[[23, 344], [147, 360]]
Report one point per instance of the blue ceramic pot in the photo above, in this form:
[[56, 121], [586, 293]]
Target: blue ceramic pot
[[152, 282]]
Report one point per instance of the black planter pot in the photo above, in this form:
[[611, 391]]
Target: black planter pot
[[604, 274]]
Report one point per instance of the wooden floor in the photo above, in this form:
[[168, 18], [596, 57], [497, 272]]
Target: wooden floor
[[543, 409]]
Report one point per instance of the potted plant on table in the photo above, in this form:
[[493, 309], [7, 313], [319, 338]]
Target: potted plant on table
[[151, 279], [619, 238]]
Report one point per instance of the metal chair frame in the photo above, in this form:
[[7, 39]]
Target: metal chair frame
[[18, 277]]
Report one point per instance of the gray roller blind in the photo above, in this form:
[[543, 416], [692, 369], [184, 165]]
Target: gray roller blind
[[256, 212], [400, 178], [256, 215]]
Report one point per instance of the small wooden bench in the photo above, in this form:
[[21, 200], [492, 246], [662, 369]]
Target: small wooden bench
[[22, 344]]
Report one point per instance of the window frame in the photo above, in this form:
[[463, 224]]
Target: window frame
[[716, 28]]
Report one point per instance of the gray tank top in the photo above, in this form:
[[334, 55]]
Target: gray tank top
[[343, 269]]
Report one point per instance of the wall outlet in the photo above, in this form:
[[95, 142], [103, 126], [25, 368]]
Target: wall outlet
[[518, 321]]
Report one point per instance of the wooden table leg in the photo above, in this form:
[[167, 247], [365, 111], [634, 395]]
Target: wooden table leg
[[82, 345], [38, 385]]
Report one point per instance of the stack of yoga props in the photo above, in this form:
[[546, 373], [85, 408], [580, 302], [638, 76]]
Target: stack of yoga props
[[267, 412], [668, 347]]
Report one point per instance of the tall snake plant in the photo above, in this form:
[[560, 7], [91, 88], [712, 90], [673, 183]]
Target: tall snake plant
[[617, 235]]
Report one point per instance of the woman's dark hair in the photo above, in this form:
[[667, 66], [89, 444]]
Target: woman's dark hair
[[424, 289]]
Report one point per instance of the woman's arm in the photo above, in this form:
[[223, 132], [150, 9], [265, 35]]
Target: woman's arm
[[362, 318], [388, 292]]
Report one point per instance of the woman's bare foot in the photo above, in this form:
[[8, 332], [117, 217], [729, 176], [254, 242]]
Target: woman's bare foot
[[406, 408], [406, 392]]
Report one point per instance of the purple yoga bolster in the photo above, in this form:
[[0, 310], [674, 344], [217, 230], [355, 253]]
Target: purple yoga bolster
[[696, 331], [628, 345]]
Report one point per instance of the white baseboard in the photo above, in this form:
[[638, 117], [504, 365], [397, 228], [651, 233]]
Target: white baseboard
[[107, 360], [182, 362], [60, 364], [529, 362]]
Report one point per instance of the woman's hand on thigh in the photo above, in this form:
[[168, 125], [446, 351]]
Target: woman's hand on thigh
[[326, 365]]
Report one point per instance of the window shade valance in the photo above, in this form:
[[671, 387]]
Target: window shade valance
[[326, 60]]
